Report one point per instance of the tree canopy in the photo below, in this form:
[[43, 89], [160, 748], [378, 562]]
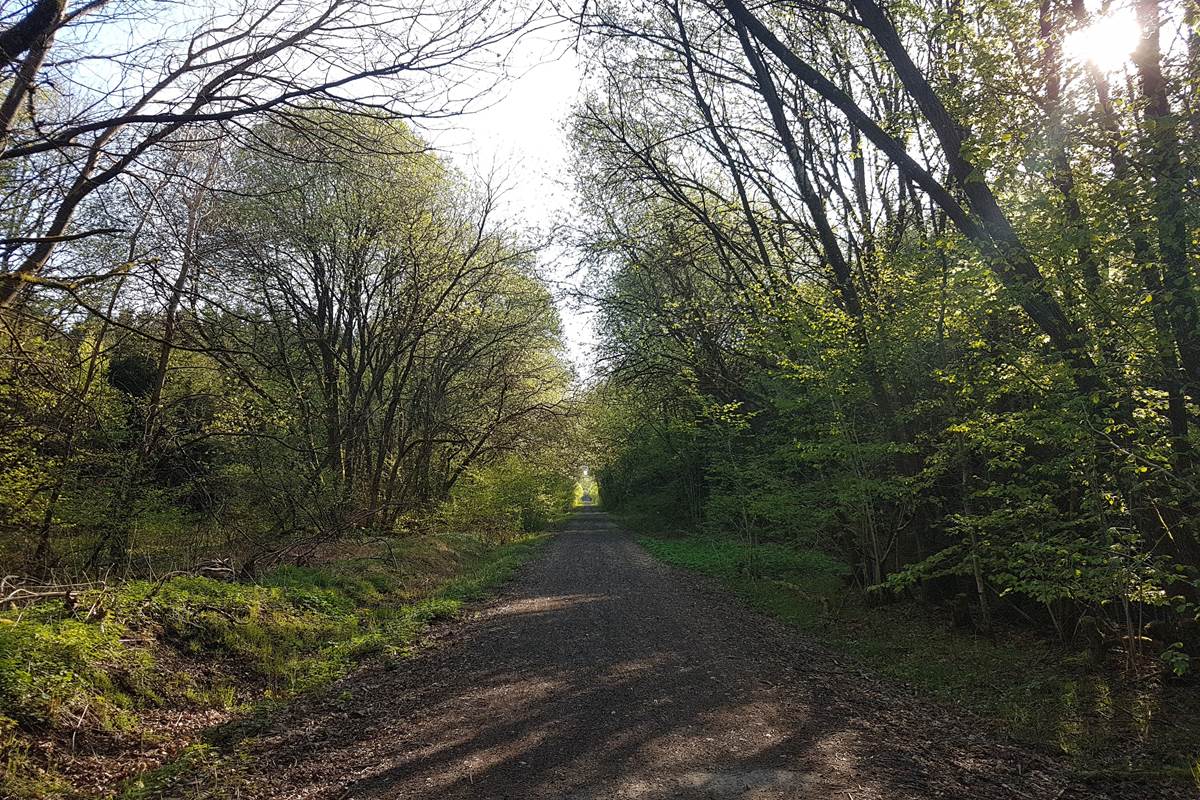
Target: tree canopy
[[909, 283]]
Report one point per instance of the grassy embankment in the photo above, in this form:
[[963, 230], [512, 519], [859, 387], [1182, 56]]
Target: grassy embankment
[[1031, 689], [126, 677]]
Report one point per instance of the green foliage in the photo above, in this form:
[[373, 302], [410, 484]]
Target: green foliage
[[512, 496], [733, 560], [124, 448], [53, 668], [1176, 659], [587, 487]]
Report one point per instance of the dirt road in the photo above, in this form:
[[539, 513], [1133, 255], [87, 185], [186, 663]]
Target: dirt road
[[602, 674]]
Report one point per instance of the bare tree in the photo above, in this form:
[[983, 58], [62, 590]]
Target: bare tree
[[107, 83]]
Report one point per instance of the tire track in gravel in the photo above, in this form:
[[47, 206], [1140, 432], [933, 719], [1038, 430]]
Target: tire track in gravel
[[602, 674]]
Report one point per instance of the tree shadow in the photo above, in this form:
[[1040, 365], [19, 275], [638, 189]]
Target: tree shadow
[[604, 675]]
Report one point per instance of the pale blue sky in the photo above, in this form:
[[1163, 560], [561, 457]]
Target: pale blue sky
[[519, 135]]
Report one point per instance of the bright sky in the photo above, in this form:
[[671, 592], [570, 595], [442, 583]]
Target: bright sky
[[519, 135], [516, 134], [1108, 41]]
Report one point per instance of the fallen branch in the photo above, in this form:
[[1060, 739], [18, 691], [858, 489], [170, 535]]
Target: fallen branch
[[14, 591]]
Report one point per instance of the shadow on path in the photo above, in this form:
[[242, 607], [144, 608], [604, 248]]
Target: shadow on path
[[603, 674]]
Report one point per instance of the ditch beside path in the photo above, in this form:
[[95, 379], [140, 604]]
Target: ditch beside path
[[601, 674]]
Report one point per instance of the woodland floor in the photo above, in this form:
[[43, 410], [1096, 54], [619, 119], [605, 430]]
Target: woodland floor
[[600, 673]]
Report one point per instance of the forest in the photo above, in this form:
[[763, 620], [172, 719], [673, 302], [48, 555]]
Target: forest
[[252, 322], [911, 286], [915, 288], [896, 334]]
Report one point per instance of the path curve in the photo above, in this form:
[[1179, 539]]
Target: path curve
[[601, 674]]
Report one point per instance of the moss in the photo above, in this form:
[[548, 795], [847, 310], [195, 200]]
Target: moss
[[55, 669]]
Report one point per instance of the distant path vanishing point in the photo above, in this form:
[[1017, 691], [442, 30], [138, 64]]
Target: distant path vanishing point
[[601, 674]]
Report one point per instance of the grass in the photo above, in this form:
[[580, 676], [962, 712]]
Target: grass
[[1031, 689], [190, 643]]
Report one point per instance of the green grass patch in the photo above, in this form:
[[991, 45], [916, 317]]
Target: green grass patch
[[193, 642], [1032, 689]]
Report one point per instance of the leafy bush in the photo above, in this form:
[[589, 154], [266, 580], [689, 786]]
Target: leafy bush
[[510, 497]]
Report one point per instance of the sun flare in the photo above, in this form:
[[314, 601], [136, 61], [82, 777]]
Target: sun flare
[[1107, 42]]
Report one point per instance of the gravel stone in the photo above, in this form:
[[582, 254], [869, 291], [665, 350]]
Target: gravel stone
[[601, 674]]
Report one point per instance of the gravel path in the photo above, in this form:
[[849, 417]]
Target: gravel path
[[601, 674]]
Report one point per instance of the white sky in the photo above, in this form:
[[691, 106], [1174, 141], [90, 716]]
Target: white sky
[[519, 135]]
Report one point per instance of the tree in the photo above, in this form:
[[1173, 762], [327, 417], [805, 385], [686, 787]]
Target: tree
[[155, 75], [894, 258]]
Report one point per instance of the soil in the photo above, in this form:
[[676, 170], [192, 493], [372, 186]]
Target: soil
[[602, 674]]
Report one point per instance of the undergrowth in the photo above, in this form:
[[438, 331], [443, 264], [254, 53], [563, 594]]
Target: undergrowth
[[95, 667], [1033, 689]]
